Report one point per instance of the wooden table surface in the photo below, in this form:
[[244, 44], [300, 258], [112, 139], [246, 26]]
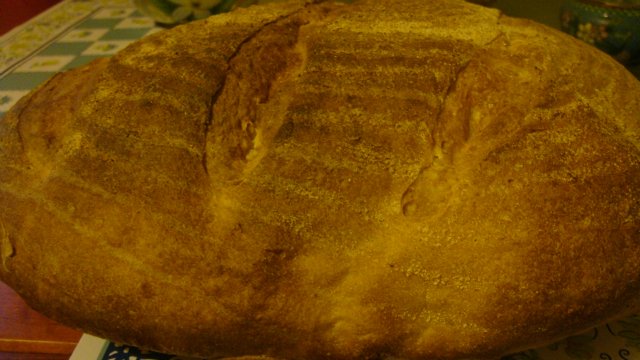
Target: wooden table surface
[[16, 12], [26, 334]]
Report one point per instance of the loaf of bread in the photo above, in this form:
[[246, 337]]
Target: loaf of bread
[[314, 180]]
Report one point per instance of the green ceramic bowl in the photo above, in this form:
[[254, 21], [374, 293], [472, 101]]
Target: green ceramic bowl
[[173, 12], [611, 25]]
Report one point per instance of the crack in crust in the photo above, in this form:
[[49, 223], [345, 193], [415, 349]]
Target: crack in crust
[[234, 129], [437, 179], [221, 88]]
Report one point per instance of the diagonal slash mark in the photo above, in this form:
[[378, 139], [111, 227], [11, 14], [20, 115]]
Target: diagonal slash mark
[[214, 98]]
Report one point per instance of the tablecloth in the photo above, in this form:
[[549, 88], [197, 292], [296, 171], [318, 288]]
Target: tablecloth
[[67, 36]]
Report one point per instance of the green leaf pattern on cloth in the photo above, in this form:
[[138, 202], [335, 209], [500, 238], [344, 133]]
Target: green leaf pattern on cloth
[[616, 340]]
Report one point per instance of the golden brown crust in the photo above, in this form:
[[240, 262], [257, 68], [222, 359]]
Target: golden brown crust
[[314, 180]]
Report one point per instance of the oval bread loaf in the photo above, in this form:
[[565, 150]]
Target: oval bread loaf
[[311, 180]]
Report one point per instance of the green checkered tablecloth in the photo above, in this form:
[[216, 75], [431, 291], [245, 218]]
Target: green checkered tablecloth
[[71, 34]]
